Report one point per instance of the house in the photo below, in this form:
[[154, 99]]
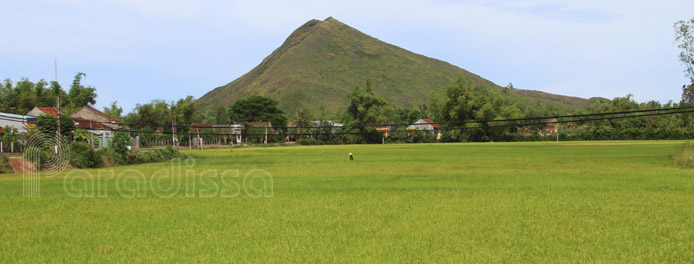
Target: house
[[95, 116], [38, 111], [233, 130], [381, 127], [2, 132], [197, 127], [23, 123], [424, 124], [552, 126]]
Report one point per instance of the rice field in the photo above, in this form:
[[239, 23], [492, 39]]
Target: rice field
[[539, 202]]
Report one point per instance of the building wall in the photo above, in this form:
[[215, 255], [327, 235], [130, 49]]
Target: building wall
[[19, 124], [88, 114], [35, 112]]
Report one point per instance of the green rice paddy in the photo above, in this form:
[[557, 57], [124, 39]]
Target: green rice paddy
[[542, 202]]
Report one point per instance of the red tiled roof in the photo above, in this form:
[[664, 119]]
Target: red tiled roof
[[90, 125], [198, 126], [2, 130], [431, 123], [49, 110]]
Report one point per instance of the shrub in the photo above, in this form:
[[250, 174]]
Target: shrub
[[109, 157], [5, 164], [120, 143], [82, 155], [684, 155]]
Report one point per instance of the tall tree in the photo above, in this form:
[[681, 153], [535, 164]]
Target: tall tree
[[113, 110], [367, 108], [80, 95], [684, 37], [303, 119], [258, 108], [221, 115]]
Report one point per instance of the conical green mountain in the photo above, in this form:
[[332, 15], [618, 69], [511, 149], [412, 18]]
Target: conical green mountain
[[322, 61]]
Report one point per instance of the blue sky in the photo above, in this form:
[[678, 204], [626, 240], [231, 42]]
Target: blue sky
[[134, 51]]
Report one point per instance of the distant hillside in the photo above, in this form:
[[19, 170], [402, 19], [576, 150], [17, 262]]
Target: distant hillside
[[321, 62]]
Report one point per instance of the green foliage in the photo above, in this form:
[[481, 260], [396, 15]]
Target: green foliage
[[160, 114], [120, 143], [48, 125], [21, 97], [80, 95], [113, 110], [82, 156], [258, 108], [466, 101], [367, 109], [684, 155], [5, 164]]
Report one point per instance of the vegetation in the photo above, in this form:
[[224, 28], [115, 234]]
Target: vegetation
[[684, 156], [258, 108], [48, 125], [5, 164], [535, 202], [82, 156], [23, 96], [321, 62]]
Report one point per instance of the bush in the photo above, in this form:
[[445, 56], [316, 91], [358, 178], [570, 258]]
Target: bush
[[684, 155], [109, 157], [5, 164], [120, 143], [309, 142], [82, 155]]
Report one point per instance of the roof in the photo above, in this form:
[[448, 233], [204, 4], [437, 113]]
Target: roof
[[432, 123], [2, 130], [98, 113], [90, 125], [49, 110], [198, 126], [16, 116], [552, 120]]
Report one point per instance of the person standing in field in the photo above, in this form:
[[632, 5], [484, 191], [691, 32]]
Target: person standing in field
[[350, 156]]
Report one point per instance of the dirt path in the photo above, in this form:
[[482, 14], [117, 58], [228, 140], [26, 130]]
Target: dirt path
[[18, 165]]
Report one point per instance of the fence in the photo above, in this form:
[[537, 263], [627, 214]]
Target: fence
[[12, 147]]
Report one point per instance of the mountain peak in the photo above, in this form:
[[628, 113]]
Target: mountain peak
[[321, 62]]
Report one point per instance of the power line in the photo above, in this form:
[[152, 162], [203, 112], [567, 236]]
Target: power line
[[444, 129], [228, 126]]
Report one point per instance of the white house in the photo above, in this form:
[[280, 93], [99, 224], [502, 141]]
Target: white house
[[22, 123]]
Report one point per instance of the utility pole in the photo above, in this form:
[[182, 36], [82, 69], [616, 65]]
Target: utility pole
[[173, 125], [57, 132], [265, 135]]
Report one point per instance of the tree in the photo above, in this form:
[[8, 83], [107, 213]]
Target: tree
[[367, 108], [258, 108], [80, 95], [48, 125], [303, 119], [113, 111], [120, 143], [684, 36], [221, 115]]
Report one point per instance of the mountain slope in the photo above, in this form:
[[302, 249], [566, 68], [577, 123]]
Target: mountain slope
[[321, 62]]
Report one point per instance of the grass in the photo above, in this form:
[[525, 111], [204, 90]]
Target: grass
[[488, 202], [684, 156]]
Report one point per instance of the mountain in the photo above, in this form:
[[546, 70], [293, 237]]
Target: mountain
[[321, 62]]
